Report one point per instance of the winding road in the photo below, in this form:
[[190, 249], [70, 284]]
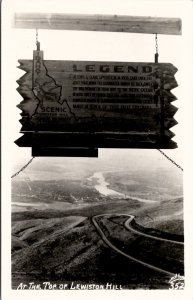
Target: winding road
[[128, 226]]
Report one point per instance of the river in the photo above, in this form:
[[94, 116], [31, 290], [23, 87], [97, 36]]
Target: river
[[102, 188], [26, 204]]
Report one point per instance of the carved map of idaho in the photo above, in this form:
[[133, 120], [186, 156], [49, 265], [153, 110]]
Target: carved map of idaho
[[37, 84], [92, 96]]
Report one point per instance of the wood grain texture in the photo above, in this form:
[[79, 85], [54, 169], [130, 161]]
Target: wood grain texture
[[79, 140], [63, 105], [110, 23]]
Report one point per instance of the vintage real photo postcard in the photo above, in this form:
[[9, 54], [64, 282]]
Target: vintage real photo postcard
[[97, 133]]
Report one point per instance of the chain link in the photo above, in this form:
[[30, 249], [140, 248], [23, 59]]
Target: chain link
[[30, 161], [23, 168], [156, 43], [36, 36], [172, 161]]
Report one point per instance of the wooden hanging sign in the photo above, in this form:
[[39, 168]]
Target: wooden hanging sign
[[123, 104]]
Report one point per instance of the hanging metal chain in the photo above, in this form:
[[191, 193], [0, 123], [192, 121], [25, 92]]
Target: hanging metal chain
[[23, 168], [29, 162], [156, 43], [36, 36], [156, 49], [37, 42], [172, 161], [156, 61]]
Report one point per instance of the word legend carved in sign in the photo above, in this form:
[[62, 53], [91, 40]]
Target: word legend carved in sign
[[96, 104]]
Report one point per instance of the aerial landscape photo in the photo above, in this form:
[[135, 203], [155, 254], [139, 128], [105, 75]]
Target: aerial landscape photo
[[112, 222]]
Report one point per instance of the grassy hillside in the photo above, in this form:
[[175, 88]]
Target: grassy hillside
[[53, 237], [73, 252]]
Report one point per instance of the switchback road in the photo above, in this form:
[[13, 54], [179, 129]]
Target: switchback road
[[128, 226]]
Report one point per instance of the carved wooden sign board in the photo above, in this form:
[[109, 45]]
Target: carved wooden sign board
[[92, 104]]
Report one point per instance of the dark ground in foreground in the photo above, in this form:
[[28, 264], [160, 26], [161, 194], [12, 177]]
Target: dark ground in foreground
[[65, 247]]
